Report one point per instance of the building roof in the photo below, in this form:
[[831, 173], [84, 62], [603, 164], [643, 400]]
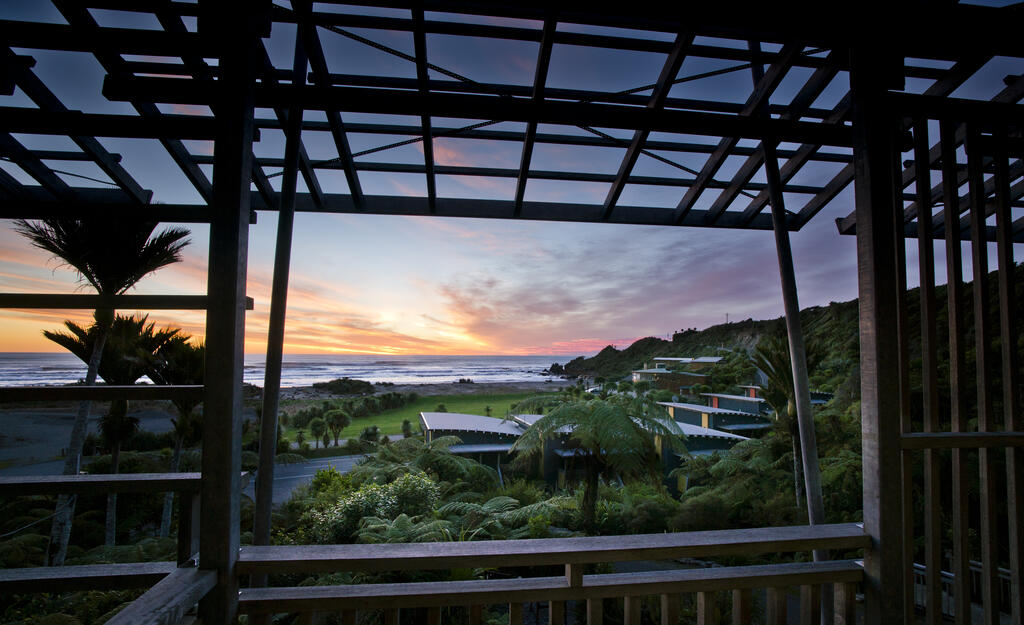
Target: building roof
[[708, 359], [456, 421], [745, 426], [697, 431], [753, 386], [702, 408], [480, 448], [741, 398], [526, 420]]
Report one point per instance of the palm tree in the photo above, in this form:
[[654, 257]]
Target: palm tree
[[614, 437], [112, 256], [130, 346], [317, 427], [772, 357], [337, 420], [179, 362]]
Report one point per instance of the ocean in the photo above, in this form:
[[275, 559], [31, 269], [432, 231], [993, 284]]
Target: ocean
[[26, 369]]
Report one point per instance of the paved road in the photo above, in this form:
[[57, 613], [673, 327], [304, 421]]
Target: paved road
[[289, 476], [286, 476]]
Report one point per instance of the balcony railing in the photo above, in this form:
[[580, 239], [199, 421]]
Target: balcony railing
[[178, 587]]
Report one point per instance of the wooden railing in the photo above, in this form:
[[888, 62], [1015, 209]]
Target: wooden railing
[[573, 554], [179, 586]]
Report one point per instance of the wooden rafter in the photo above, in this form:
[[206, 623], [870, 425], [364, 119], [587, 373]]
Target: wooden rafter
[[656, 100], [540, 76]]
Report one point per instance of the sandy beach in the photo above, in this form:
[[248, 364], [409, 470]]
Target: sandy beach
[[29, 435]]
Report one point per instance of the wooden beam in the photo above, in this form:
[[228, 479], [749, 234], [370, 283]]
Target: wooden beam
[[390, 101], [540, 77], [167, 602], [30, 164], [40, 122], [537, 552], [422, 77], [318, 65], [56, 579], [99, 393], [961, 440], [137, 302], [86, 208], [798, 108], [765, 87], [662, 87]]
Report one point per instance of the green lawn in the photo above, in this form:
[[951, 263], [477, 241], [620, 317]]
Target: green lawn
[[390, 422]]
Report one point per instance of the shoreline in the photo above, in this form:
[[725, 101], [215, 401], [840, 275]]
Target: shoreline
[[549, 384]]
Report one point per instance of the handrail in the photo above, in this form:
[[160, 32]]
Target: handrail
[[521, 590], [99, 484], [167, 601], [546, 551], [83, 577]]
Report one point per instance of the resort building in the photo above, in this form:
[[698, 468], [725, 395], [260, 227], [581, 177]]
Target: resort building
[[742, 403], [699, 363], [720, 419], [675, 381]]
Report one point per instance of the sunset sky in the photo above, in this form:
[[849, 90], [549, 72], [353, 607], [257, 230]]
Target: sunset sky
[[420, 285]]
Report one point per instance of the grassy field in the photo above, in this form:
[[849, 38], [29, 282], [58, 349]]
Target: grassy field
[[390, 422]]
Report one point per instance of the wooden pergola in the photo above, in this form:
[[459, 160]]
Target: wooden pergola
[[899, 67]]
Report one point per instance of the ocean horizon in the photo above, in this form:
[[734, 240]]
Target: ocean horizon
[[42, 368]]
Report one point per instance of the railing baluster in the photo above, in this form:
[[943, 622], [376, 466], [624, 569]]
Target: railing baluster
[[574, 574], [595, 611], [670, 609], [433, 616], [515, 614], [775, 606], [846, 606], [188, 526], [741, 600], [556, 613], [631, 610], [391, 617], [707, 612], [810, 605]]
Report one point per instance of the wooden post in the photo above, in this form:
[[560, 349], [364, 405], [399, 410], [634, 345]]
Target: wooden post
[[670, 609], [574, 575], [775, 606], [741, 601], [846, 606], [278, 308], [874, 129], [957, 371], [1012, 414], [982, 349], [707, 612], [515, 614], [930, 388], [631, 610], [556, 613], [595, 611], [810, 605], [225, 317], [188, 526], [433, 616]]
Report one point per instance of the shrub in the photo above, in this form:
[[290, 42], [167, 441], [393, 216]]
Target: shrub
[[346, 386]]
